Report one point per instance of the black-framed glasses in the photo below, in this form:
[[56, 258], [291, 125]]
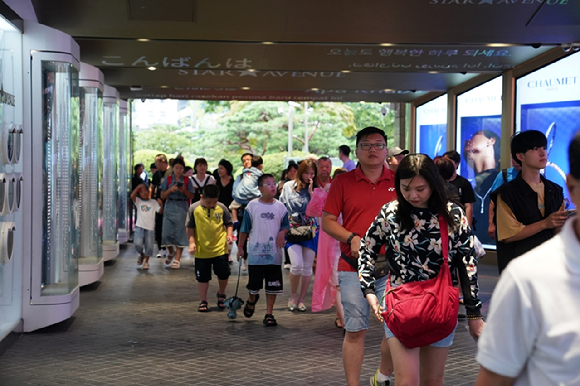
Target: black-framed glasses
[[377, 146]]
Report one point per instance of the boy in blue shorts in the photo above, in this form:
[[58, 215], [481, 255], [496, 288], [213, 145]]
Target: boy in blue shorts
[[266, 222], [209, 228]]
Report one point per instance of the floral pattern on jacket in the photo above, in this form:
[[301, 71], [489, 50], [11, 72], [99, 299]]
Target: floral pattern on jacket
[[415, 255]]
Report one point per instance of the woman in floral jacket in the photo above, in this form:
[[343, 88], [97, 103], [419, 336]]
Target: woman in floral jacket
[[409, 229]]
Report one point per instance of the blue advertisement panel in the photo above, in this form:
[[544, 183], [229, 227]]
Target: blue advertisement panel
[[433, 140], [478, 142], [548, 100], [431, 127]]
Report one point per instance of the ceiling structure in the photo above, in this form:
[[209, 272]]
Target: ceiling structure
[[340, 50]]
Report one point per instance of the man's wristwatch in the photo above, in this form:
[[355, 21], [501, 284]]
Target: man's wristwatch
[[352, 235]]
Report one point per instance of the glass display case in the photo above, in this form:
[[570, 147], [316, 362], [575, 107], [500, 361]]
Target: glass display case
[[124, 176], [60, 177], [110, 172], [91, 266]]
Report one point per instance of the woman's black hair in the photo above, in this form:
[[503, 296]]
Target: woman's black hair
[[179, 161], [422, 165], [227, 165]]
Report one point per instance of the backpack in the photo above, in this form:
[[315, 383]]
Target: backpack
[[185, 181], [197, 194]]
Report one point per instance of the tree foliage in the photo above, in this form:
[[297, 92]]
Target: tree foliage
[[216, 130]]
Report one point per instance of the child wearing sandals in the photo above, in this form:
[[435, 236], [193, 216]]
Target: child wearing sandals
[[266, 222], [209, 229], [144, 236]]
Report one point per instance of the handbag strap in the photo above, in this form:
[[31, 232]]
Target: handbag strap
[[444, 238]]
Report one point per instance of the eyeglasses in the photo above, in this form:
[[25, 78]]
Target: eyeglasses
[[270, 184], [377, 146]]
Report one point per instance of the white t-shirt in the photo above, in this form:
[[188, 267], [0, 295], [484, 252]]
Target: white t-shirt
[[146, 210], [263, 222], [533, 329], [211, 181]]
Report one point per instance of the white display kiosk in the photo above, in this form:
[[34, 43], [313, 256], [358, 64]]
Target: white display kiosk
[[110, 169], [124, 176], [50, 209], [91, 263]]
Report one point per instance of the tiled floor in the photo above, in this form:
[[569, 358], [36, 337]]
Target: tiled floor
[[142, 328]]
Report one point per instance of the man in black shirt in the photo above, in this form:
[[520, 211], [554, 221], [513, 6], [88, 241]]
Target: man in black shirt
[[466, 194], [158, 177]]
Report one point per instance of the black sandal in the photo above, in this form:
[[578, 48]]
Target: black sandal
[[221, 301], [269, 321], [248, 312], [203, 306]]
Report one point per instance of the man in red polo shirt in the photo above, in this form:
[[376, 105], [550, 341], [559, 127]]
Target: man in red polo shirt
[[359, 195]]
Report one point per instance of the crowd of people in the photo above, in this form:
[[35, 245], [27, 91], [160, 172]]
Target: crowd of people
[[377, 233]]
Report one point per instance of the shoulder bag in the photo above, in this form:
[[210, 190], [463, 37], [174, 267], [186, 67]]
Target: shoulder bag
[[421, 313]]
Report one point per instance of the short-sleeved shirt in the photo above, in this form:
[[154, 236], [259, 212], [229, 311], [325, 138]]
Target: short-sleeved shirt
[[532, 330], [507, 223], [177, 198], [511, 173], [359, 201], [349, 165], [156, 181], [225, 196], [146, 210], [209, 225], [263, 222], [466, 194]]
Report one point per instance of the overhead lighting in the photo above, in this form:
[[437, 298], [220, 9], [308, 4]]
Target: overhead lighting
[[163, 86], [143, 40], [386, 44], [314, 89], [152, 68], [267, 42], [345, 71], [245, 88], [499, 45], [362, 102], [433, 72], [388, 89]]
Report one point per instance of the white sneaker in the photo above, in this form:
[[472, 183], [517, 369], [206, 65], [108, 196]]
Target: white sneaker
[[244, 264], [287, 266], [162, 253]]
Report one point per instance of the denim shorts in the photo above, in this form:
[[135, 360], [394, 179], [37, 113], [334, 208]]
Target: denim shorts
[[144, 240], [356, 307], [445, 342]]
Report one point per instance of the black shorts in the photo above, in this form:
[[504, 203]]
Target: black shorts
[[272, 274], [221, 268]]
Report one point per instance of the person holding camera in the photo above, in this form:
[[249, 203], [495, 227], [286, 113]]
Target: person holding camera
[[177, 190], [266, 221], [296, 195]]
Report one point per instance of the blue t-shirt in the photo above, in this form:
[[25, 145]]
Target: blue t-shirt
[[499, 181], [263, 222]]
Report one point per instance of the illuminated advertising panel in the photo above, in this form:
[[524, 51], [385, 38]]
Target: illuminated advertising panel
[[431, 127], [548, 100], [478, 142]]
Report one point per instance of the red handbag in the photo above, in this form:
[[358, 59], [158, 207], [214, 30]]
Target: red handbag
[[421, 313]]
